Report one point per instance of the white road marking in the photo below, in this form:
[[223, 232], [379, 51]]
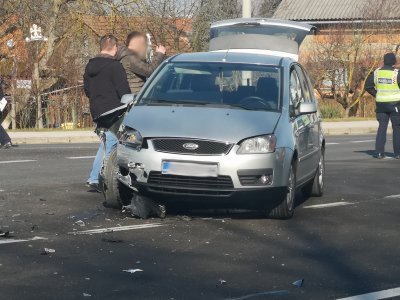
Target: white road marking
[[364, 141], [2, 190], [17, 161], [333, 204], [392, 197], [376, 295], [333, 143], [119, 228], [80, 157], [10, 241]]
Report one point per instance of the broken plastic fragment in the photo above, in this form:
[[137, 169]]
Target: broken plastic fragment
[[132, 270], [4, 233], [185, 218], [222, 281], [298, 283], [143, 207], [80, 223], [48, 251]]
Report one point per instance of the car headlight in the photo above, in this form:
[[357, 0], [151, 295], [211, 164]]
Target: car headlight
[[131, 137], [258, 145]]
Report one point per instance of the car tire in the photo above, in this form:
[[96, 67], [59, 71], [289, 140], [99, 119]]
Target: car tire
[[115, 193], [285, 209], [315, 188]]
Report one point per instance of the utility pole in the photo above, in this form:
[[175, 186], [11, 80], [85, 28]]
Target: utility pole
[[246, 9]]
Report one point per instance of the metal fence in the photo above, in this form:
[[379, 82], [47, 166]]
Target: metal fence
[[66, 108]]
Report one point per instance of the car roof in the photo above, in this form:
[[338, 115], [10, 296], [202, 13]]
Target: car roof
[[232, 57]]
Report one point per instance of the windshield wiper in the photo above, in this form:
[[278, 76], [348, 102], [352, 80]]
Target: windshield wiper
[[183, 102]]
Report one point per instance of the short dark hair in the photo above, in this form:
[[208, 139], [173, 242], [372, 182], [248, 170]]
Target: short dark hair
[[107, 42], [132, 35]]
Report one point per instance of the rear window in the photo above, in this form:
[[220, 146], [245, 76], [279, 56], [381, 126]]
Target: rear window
[[252, 87]]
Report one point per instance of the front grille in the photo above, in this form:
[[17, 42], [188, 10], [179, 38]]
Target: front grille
[[204, 147], [217, 186]]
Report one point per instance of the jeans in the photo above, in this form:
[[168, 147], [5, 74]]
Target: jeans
[[383, 119], [4, 138], [111, 143]]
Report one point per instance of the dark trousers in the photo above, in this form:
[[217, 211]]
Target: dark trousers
[[383, 119], [4, 138]]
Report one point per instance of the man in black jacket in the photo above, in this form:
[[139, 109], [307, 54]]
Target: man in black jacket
[[105, 80], [384, 85], [5, 141], [105, 83]]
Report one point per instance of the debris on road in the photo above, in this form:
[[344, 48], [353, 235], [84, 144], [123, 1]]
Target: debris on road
[[222, 281], [34, 227], [48, 251], [143, 207], [298, 283], [86, 295], [132, 271], [111, 240], [41, 199], [185, 218], [4, 233], [80, 223]]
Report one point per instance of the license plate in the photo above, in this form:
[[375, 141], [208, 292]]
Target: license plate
[[190, 169]]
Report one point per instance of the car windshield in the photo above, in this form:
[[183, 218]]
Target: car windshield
[[242, 86]]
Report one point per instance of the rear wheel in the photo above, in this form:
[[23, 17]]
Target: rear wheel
[[285, 209], [115, 193], [316, 186]]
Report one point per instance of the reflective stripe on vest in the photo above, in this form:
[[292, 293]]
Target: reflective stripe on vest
[[386, 85]]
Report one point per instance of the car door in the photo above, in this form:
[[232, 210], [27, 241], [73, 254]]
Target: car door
[[302, 126], [314, 122]]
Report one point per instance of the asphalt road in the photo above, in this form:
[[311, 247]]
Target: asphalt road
[[348, 246]]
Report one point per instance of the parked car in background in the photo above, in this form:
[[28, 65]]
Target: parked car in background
[[236, 126]]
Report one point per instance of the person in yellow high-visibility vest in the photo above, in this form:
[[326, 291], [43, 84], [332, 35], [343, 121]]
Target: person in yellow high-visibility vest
[[384, 85]]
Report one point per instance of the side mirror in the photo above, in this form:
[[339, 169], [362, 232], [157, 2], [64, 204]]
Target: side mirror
[[307, 108], [128, 98]]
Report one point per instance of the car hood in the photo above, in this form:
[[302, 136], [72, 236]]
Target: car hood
[[220, 124]]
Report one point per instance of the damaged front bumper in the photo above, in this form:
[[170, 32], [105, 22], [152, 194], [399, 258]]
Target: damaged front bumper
[[260, 176]]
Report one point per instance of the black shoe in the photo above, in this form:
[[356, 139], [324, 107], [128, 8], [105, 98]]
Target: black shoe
[[93, 186], [6, 146], [380, 156]]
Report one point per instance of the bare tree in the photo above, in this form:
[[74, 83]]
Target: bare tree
[[169, 21], [267, 8], [340, 59], [210, 11], [61, 22]]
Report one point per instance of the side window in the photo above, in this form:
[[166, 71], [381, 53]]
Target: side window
[[296, 92], [305, 84]]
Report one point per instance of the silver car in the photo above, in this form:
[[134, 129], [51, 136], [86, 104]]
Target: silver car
[[237, 126]]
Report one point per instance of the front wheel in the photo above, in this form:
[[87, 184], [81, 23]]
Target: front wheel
[[285, 209], [115, 193]]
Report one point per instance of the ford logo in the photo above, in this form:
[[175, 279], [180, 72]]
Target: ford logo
[[190, 146]]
